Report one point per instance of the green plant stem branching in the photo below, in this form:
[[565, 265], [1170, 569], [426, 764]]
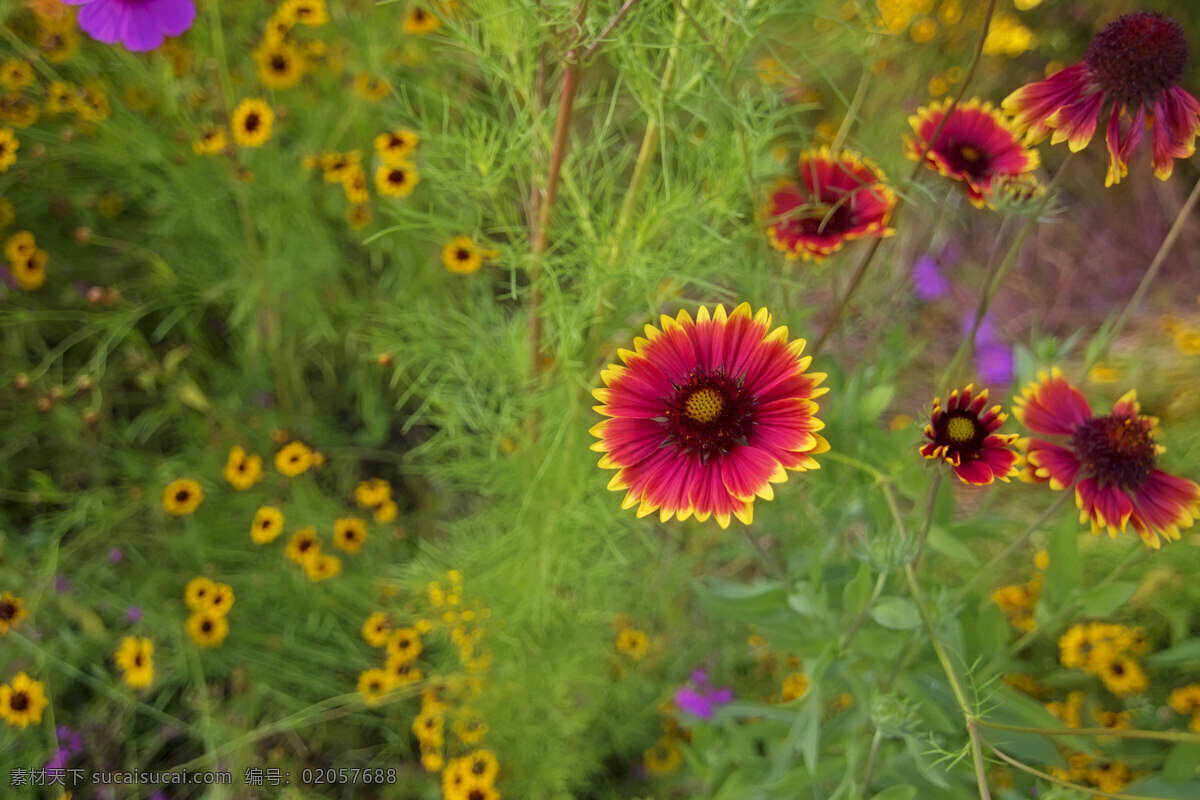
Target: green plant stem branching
[[1164, 249], [859, 273], [1089, 791]]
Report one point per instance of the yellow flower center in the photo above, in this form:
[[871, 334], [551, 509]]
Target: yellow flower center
[[969, 153], [704, 405], [960, 429]]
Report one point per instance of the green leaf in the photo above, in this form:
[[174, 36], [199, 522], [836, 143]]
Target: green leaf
[[1188, 651], [1181, 762], [896, 613], [857, 591], [191, 395], [1156, 787], [989, 633], [877, 400], [1101, 601], [950, 546], [1065, 575], [740, 601], [902, 792]]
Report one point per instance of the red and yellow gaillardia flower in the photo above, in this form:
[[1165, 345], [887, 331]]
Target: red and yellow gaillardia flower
[[1109, 460], [706, 414], [839, 199], [963, 435], [1136, 62], [976, 145]]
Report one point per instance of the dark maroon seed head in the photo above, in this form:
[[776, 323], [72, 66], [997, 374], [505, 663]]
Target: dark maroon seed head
[[1117, 450], [1137, 56]]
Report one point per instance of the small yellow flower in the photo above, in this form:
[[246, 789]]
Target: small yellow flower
[[22, 701], [182, 497], [386, 511], [1186, 699], [220, 599], [358, 216], [469, 728], [794, 687], [394, 147], [482, 766], [355, 186], [374, 685], [432, 760], [633, 643], [303, 546], [252, 122], [1041, 560], [207, 628], [396, 180], [307, 12], [294, 459], [197, 592], [268, 524], [376, 630], [242, 471], [402, 673], [403, 646], [9, 143], [280, 64], [337, 167], [463, 256], [7, 213], [1187, 341], [429, 728], [15, 74], [349, 533], [135, 658], [212, 141], [322, 566], [11, 612], [373, 89], [418, 21], [369, 494], [30, 271], [663, 758], [1070, 712], [1122, 675], [20, 245], [58, 40], [1104, 373]]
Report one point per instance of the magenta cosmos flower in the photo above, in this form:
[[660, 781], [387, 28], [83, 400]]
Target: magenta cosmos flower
[[1136, 62], [976, 145], [841, 199], [1112, 458], [139, 25], [707, 414]]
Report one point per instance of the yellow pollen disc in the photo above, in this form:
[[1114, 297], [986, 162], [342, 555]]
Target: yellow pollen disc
[[960, 429], [704, 405], [969, 153]]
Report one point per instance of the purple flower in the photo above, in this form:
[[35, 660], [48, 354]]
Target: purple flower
[[140, 25], [699, 697], [59, 760], [994, 362], [115, 555], [70, 738], [928, 283], [133, 613], [61, 584]]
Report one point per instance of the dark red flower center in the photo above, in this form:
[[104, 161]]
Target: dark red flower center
[[7, 611], [961, 431], [461, 254], [1137, 56], [1117, 450], [823, 219], [279, 63], [19, 701], [182, 496], [968, 158], [206, 626], [137, 660], [397, 176], [708, 414], [479, 767], [252, 122], [1117, 669], [304, 544]]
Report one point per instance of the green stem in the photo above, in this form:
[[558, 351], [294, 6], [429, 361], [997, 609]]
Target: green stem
[[988, 569], [1089, 791], [861, 272], [772, 564], [930, 501], [1116, 733], [996, 277], [1168, 242]]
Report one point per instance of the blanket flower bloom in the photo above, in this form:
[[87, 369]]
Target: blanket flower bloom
[[1109, 460], [976, 145], [139, 25], [705, 415], [842, 199], [1137, 63], [965, 437]]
